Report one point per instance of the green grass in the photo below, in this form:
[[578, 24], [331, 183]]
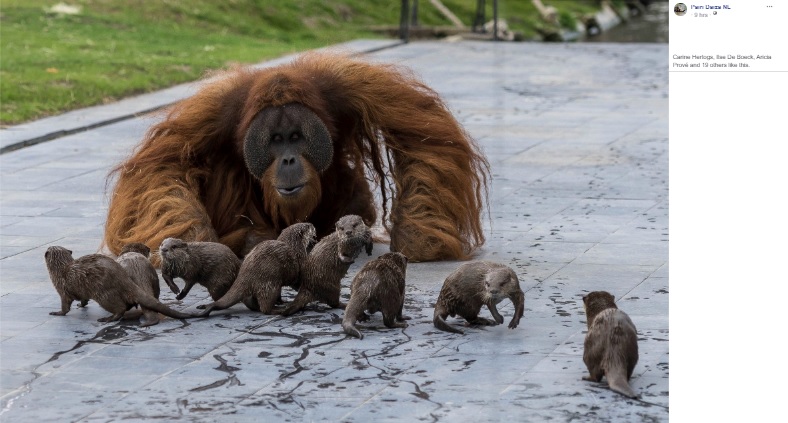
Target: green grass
[[51, 63]]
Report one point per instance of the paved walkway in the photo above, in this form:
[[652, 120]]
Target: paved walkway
[[577, 136]]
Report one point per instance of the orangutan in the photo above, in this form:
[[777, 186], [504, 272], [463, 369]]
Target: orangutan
[[256, 150]]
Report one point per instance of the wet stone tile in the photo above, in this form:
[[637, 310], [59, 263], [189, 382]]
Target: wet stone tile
[[578, 202]]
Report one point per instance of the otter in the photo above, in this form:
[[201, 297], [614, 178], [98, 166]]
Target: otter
[[473, 285], [211, 264], [378, 286], [134, 258], [328, 263], [267, 268], [611, 344], [102, 279]]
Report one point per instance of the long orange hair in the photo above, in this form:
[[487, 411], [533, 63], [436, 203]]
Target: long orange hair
[[188, 179]]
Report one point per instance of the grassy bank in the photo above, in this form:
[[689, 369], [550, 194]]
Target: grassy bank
[[51, 62]]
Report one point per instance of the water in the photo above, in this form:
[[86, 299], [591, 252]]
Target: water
[[652, 27]]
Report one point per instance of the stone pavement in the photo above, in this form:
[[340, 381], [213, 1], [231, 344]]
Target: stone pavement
[[577, 137]]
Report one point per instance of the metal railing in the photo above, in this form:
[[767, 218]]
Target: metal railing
[[409, 16]]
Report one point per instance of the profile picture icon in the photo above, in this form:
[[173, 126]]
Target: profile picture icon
[[680, 9]]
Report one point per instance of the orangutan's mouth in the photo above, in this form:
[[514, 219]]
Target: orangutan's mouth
[[290, 191]]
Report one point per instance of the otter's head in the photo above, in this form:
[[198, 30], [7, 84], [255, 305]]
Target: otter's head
[[596, 301], [136, 247], [301, 236], [58, 260], [354, 235], [498, 283], [174, 254]]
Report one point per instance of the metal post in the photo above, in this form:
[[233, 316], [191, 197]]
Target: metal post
[[495, 20], [478, 20], [414, 16], [403, 21]]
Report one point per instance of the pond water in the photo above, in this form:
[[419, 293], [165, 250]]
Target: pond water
[[652, 27]]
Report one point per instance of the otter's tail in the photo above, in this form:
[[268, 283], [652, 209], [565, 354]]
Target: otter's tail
[[231, 298], [350, 329], [146, 300], [440, 323], [352, 310], [618, 360], [617, 379]]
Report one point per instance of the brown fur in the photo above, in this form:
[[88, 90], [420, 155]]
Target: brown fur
[[473, 285], [282, 209], [102, 279], [267, 268], [378, 286], [328, 263], [188, 179], [611, 344], [134, 258], [210, 264]]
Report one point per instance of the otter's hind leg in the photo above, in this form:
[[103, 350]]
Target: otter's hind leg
[[266, 301], [300, 301], [400, 316], [149, 318], [252, 303], [480, 321], [474, 319], [594, 375], [112, 318], [439, 320], [65, 305], [389, 319], [132, 314], [332, 299]]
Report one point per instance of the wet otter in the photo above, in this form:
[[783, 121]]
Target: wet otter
[[378, 286], [134, 258], [328, 263], [269, 266], [211, 264], [611, 344], [473, 285], [99, 278]]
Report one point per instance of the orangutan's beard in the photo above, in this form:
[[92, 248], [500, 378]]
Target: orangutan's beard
[[286, 210]]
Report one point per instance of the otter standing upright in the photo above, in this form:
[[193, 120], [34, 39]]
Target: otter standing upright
[[378, 286], [328, 263], [473, 285], [134, 258], [611, 345]]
